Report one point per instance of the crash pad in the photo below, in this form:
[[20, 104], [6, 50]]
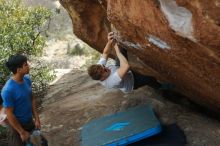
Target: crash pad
[[121, 128]]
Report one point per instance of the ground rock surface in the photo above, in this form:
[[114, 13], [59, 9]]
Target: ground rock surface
[[75, 99]]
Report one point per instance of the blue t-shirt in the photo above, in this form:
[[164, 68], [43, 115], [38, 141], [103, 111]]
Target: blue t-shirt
[[18, 96]]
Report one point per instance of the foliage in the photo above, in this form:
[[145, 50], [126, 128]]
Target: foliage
[[42, 74], [79, 48], [94, 56], [75, 50], [21, 32]]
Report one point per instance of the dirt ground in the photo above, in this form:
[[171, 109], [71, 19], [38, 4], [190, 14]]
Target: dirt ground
[[75, 99]]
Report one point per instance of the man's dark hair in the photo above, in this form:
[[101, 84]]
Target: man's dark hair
[[15, 61]]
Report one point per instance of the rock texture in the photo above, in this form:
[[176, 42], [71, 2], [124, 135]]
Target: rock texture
[[175, 40], [75, 100]]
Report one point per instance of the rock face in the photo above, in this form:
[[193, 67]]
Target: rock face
[[174, 40]]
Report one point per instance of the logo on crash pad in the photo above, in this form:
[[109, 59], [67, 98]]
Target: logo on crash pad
[[117, 126]]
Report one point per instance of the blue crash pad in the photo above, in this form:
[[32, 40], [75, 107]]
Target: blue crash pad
[[122, 128]]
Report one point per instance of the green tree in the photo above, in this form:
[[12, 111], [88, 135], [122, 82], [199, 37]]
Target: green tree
[[21, 31]]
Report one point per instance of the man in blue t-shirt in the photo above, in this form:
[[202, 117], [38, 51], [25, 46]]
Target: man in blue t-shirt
[[18, 101]]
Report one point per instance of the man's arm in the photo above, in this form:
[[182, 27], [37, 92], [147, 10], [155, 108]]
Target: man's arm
[[15, 124], [124, 66], [107, 49], [35, 114]]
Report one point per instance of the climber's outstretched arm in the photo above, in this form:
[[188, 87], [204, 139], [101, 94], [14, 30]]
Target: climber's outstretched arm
[[124, 66]]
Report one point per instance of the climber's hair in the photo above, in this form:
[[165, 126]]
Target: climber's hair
[[15, 61], [95, 71]]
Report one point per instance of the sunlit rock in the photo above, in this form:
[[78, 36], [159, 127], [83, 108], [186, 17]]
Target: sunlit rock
[[174, 40]]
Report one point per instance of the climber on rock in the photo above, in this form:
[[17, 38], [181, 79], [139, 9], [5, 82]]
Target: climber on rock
[[119, 75]]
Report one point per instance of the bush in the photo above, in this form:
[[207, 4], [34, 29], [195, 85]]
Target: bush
[[75, 50], [21, 32], [41, 75]]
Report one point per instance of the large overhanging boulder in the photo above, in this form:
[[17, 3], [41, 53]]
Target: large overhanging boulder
[[174, 40]]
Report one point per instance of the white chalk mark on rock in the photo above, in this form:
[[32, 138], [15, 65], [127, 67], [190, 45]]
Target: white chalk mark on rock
[[179, 18], [130, 44], [158, 42]]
